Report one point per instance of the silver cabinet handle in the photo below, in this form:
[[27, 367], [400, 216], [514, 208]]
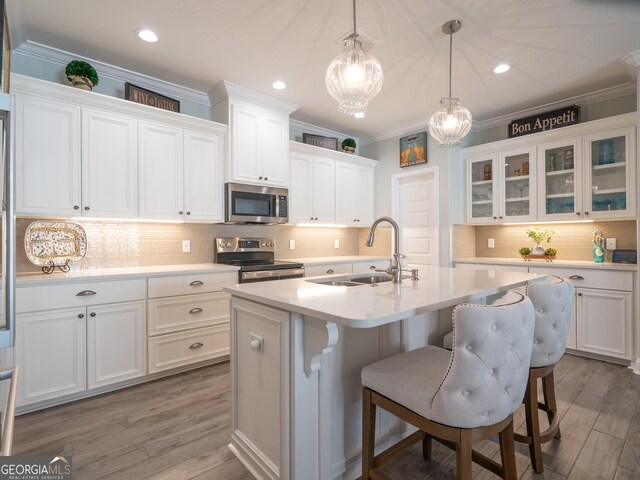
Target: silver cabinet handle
[[196, 283], [92, 314], [193, 346], [256, 344], [330, 270], [576, 277], [195, 310], [85, 293]]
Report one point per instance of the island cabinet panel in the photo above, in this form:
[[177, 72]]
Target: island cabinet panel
[[259, 370]]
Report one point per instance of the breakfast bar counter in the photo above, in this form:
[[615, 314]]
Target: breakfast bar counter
[[297, 349]]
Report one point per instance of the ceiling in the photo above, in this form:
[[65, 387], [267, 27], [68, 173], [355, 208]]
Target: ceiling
[[557, 48]]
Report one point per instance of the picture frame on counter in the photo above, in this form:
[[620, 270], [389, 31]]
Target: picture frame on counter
[[141, 95], [329, 143], [413, 149]]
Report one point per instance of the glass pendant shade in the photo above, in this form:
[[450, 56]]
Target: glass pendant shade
[[450, 123], [353, 78]]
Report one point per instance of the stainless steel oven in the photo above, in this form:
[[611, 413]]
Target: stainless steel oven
[[255, 204]]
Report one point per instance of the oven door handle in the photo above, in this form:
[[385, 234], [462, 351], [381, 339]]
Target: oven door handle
[[272, 274]]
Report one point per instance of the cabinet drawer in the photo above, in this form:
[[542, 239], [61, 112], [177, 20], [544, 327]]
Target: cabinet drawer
[[590, 278], [187, 284], [365, 267], [326, 269], [50, 297], [173, 314], [179, 349]]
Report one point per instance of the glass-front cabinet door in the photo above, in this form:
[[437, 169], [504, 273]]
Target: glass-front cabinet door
[[517, 201], [560, 180], [609, 172], [481, 188]]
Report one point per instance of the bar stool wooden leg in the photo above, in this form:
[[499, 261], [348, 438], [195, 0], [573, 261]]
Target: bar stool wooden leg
[[533, 423], [508, 453], [549, 392], [464, 456], [426, 447], [368, 433]]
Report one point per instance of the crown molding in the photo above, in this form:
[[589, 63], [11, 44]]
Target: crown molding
[[61, 57], [503, 120], [228, 89], [303, 127], [632, 58]]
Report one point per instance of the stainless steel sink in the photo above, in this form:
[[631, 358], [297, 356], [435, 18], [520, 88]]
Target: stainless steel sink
[[336, 283], [371, 279]]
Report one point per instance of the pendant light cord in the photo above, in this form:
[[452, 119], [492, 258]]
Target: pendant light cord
[[354, 18], [450, 56]]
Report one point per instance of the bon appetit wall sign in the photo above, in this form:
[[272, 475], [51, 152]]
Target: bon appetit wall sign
[[544, 121]]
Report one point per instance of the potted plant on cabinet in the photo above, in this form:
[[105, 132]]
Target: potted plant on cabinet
[[81, 74], [349, 145]]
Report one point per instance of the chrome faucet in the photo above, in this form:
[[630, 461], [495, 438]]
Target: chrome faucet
[[395, 269]]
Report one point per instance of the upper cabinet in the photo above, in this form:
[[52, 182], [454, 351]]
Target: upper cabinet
[[329, 187], [573, 173], [82, 153], [258, 142]]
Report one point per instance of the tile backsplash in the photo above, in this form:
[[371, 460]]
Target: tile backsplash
[[113, 243], [573, 241]]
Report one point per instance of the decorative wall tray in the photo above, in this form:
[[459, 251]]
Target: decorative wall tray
[[55, 244]]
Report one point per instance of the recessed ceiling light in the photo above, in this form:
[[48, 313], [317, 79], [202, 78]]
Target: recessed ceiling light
[[503, 67], [279, 85], [359, 115], [147, 35]]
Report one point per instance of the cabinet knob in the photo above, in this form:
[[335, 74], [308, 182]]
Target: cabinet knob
[[196, 283], [256, 344], [495, 218], [500, 217], [195, 310], [358, 220], [311, 218], [579, 294], [180, 212], [86, 208], [316, 218], [188, 213], [81, 315], [266, 178], [586, 213], [577, 213], [355, 220], [193, 346], [259, 178], [92, 314], [76, 207], [330, 270]]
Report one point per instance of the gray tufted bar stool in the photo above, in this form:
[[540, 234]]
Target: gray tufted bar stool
[[552, 301], [457, 397]]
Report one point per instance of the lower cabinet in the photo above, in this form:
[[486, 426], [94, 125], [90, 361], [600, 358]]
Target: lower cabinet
[[116, 343]]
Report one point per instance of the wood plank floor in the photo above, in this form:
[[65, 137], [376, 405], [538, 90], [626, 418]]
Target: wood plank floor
[[179, 427]]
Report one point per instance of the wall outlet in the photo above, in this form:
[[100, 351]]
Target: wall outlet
[[292, 244], [491, 243], [336, 243], [611, 244], [186, 246]]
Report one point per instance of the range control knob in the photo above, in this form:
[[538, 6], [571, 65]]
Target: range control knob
[[221, 244], [272, 244], [228, 245], [263, 244]]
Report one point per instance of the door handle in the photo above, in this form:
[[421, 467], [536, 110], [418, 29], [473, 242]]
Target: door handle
[[196, 283], [193, 346], [85, 293], [195, 310], [576, 277]]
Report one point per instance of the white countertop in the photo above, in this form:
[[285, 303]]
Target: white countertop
[[117, 273], [368, 306], [337, 259], [554, 263]]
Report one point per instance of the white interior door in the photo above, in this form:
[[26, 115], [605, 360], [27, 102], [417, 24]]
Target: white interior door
[[416, 209]]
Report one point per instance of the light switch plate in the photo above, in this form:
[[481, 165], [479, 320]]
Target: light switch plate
[[186, 246], [292, 244], [336, 243], [611, 244], [491, 243]]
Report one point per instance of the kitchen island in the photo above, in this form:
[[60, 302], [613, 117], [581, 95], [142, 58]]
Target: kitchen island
[[297, 348]]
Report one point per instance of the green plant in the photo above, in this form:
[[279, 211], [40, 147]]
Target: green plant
[[348, 142], [550, 252], [539, 236], [524, 251], [81, 68]]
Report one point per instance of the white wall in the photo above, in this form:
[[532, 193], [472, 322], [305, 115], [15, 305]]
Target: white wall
[[451, 172]]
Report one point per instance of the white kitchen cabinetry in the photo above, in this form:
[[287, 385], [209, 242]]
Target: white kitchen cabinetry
[[71, 337], [354, 194], [312, 192], [577, 172], [116, 340], [369, 267], [188, 320], [47, 157], [327, 269], [501, 185], [180, 173]]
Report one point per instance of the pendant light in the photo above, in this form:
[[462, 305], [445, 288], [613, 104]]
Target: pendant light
[[451, 122], [355, 76]]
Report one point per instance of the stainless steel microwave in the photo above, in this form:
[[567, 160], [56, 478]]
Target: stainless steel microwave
[[255, 204]]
